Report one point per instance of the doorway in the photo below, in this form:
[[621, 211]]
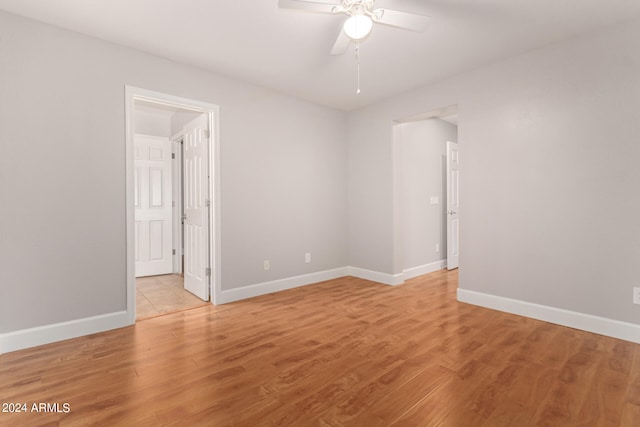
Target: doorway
[[427, 185], [172, 209]]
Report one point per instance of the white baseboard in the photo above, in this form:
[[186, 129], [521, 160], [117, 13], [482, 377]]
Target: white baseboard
[[40, 335], [250, 291], [264, 288], [420, 270], [375, 276], [32, 337], [572, 319]]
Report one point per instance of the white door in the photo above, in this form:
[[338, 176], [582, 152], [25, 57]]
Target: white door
[[153, 207], [453, 201], [196, 211]]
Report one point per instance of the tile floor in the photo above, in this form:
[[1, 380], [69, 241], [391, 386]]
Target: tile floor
[[156, 295]]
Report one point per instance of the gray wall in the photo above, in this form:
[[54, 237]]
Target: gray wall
[[422, 173], [62, 174], [549, 149], [181, 118], [154, 123]]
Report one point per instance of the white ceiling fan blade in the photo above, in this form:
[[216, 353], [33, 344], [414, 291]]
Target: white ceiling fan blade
[[341, 44], [308, 6], [395, 18]]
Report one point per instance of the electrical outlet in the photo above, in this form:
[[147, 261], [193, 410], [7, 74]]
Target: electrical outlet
[[437, 247], [636, 295], [266, 264], [307, 257]]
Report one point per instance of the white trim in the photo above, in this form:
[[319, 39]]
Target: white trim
[[159, 138], [215, 213], [250, 291], [258, 289], [17, 340], [572, 319], [25, 338], [131, 95], [420, 270], [376, 276], [176, 209]]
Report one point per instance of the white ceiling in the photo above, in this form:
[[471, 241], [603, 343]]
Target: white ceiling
[[254, 41]]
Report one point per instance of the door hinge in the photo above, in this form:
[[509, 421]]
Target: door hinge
[[174, 251], [173, 155], [173, 203], [208, 272], [206, 134], [208, 202]]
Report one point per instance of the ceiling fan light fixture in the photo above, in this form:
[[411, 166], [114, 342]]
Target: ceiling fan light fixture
[[358, 26]]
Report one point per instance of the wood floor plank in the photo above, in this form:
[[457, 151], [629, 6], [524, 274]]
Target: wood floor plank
[[345, 352]]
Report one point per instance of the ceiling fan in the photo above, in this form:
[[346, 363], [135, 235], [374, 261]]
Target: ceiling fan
[[362, 16]]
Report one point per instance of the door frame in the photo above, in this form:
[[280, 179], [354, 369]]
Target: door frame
[[213, 111], [397, 223], [453, 233], [176, 223]]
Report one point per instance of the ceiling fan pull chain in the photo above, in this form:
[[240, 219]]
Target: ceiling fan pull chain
[[358, 64]]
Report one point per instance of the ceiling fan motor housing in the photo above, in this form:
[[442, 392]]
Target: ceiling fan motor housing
[[357, 7]]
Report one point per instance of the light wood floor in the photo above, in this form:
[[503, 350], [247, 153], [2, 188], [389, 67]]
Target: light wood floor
[[157, 295], [346, 352]]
